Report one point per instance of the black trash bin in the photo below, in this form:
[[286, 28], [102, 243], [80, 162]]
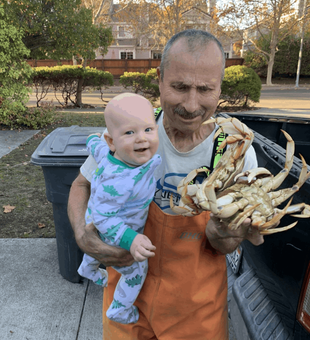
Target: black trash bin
[[60, 155]]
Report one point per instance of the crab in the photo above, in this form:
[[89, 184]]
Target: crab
[[232, 195]]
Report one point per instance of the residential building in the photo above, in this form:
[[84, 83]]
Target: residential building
[[137, 43]]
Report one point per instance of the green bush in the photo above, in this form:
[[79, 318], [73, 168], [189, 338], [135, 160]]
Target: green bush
[[14, 72], [33, 118], [240, 85], [144, 84], [66, 79]]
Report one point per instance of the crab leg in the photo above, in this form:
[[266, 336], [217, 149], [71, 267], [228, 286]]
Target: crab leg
[[276, 218], [233, 225], [278, 230], [281, 195], [184, 183], [253, 173], [303, 208], [289, 159]]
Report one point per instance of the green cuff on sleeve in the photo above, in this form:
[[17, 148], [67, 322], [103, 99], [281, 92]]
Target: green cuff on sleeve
[[127, 239], [90, 137]]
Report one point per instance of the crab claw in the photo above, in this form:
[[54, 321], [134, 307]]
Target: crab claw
[[251, 174]]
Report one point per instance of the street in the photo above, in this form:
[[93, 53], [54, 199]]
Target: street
[[285, 97], [275, 97]]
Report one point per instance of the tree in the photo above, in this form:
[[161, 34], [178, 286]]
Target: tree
[[14, 72], [57, 29], [156, 21], [286, 59], [258, 18]]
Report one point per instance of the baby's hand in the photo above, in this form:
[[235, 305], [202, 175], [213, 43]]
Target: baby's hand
[[95, 134], [141, 248]]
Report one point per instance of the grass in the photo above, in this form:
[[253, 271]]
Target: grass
[[22, 184]]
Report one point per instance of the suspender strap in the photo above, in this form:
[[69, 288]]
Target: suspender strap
[[157, 113], [216, 155]]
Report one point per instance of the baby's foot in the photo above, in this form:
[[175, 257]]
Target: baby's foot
[[118, 313], [101, 278]]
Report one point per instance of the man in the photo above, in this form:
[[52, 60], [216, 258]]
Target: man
[[185, 293]]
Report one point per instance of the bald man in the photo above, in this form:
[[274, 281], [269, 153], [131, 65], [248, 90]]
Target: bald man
[[122, 188]]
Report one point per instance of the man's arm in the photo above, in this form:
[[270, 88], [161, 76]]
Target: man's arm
[[86, 235]]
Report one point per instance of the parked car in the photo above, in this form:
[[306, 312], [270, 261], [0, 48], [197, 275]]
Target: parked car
[[269, 285]]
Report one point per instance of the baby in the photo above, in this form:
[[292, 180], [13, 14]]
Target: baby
[[122, 188]]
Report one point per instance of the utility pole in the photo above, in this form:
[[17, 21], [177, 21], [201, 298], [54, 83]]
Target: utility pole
[[304, 13]]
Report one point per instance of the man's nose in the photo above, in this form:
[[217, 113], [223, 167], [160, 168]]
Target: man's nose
[[191, 102]]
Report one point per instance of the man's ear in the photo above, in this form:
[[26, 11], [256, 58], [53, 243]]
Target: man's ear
[[109, 141], [158, 73]]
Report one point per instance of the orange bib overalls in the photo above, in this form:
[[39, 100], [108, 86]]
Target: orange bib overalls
[[184, 295]]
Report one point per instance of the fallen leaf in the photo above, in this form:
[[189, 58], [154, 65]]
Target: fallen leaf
[[8, 208], [41, 225]]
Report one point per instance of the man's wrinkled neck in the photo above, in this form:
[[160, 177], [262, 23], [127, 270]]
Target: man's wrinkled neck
[[185, 140]]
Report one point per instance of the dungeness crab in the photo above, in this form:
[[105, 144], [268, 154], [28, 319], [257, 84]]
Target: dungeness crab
[[233, 196]]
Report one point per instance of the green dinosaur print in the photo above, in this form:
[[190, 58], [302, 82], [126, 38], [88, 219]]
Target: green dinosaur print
[[93, 147], [111, 232], [135, 281], [110, 190], [108, 214], [98, 172], [89, 211], [146, 204], [99, 282], [151, 181], [116, 304], [143, 171], [119, 170]]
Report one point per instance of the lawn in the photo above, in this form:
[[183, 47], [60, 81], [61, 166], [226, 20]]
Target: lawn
[[22, 185]]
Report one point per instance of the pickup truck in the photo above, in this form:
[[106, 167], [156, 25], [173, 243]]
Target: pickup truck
[[269, 285]]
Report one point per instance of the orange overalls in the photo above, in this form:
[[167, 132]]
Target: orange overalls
[[184, 295]]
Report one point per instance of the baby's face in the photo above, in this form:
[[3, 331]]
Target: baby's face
[[135, 136]]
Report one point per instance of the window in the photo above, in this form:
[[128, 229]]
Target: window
[[124, 32], [226, 55], [126, 55], [156, 55], [121, 31]]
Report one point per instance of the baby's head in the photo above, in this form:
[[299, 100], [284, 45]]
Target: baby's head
[[132, 131]]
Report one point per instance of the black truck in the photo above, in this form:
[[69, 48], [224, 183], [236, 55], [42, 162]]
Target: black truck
[[269, 285]]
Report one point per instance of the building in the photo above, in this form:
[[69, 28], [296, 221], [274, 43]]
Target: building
[[139, 42]]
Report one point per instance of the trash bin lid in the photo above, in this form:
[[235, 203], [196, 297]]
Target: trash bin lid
[[64, 146]]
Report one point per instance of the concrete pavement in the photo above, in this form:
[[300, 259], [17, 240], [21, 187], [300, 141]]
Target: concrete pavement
[[36, 303]]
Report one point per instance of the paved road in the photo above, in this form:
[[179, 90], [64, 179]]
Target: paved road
[[285, 97], [275, 97]]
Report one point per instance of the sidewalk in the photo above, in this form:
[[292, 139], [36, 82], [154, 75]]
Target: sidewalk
[[37, 303]]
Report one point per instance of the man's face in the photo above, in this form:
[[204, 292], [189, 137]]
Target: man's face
[[191, 87]]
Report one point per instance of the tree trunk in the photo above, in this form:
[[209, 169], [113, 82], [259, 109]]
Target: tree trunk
[[270, 65], [78, 97]]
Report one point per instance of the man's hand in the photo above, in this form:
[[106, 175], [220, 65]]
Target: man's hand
[[225, 240], [91, 244], [141, 248]]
